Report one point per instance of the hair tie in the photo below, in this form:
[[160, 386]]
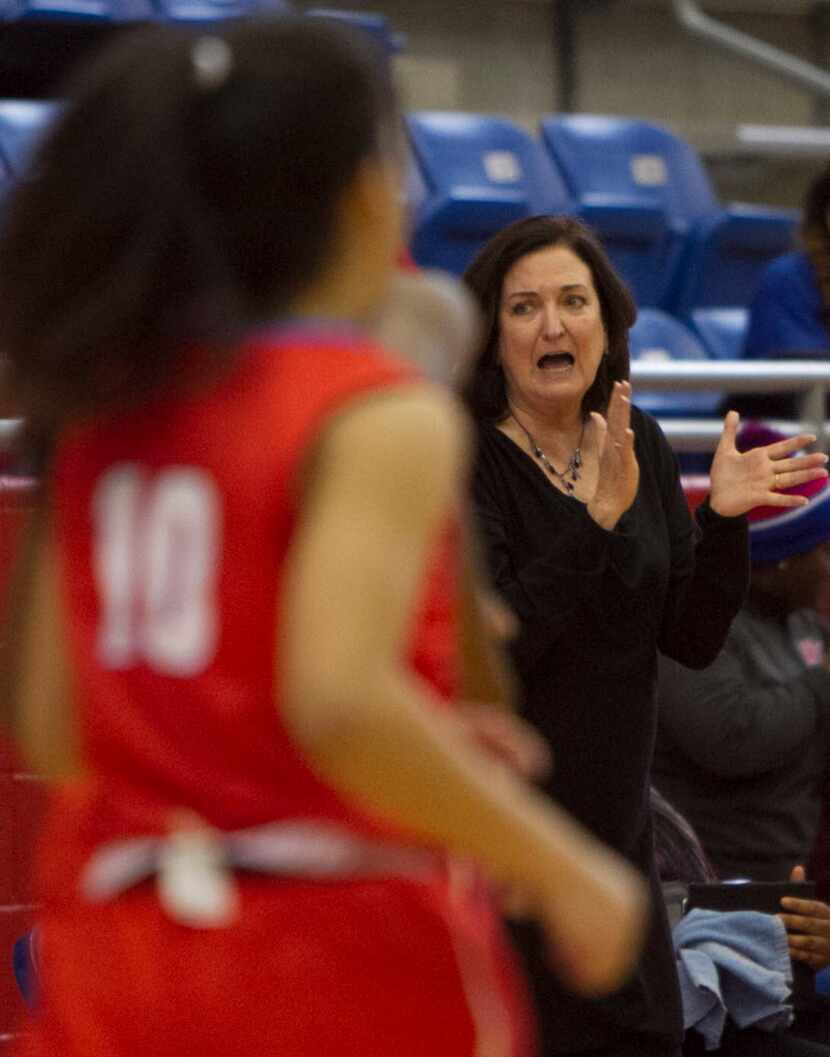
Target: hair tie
[[212, 61]]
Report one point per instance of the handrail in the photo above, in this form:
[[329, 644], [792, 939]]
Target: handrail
[[808, 75], [810, 379], [736, 376]]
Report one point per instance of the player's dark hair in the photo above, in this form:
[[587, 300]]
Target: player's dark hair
[[485, 390], [189, 190]]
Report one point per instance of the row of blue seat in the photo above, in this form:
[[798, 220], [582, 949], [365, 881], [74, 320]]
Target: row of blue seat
[[115, 11], [644, 191], [718, 333], [187, 11]]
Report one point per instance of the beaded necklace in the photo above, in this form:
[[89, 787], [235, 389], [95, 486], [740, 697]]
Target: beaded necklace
[[572, 470]]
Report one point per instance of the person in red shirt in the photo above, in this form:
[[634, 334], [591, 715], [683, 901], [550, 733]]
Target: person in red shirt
[[238, 656]]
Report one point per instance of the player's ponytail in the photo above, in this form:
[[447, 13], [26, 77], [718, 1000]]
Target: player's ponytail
[[189, 190]]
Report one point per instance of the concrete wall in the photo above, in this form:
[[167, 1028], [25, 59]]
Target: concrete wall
[[499, 56]]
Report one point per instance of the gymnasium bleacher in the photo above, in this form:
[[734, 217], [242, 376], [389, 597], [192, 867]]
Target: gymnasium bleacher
[[691, 260]]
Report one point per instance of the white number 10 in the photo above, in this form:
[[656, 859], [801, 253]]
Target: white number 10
[[155, 558]]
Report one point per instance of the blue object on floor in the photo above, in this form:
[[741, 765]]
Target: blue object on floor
[[24, 962]]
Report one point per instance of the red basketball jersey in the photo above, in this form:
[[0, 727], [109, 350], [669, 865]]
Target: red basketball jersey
[[173, 525]]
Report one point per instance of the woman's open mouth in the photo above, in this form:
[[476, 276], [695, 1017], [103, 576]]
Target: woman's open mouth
[[555, 361]]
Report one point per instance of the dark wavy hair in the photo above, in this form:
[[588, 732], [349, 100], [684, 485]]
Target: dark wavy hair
[[188, 191], [484, 390], [815, 236]]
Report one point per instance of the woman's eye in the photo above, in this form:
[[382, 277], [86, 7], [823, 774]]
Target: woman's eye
[[576, 301], [521, 308]]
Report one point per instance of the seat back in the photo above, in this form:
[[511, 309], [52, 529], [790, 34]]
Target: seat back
[[722, 331], [377, 26], [657, 337], [726, 254], [618, 168], [478, 174], [211, 11], [638, 186]]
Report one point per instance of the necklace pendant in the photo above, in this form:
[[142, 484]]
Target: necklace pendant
[[576, 459], [569, 488]]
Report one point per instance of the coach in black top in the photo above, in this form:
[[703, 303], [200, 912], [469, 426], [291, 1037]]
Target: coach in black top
[[589, 539]]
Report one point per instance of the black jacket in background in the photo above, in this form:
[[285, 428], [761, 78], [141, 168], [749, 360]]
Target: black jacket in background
[[742, 747], [594, 608]]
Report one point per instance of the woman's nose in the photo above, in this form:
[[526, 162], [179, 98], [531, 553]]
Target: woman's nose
[[552, 321]]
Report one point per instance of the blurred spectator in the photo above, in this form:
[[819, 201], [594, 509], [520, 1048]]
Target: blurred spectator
[[790, 314], [742, 746]]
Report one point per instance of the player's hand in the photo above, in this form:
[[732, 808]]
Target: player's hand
[[743, 480], [807, 922], [619, 472], [596, 923]]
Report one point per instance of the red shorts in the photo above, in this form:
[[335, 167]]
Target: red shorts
[[391, 968]]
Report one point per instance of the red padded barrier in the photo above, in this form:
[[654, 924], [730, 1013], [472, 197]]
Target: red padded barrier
[[21, 794], [695, 489]]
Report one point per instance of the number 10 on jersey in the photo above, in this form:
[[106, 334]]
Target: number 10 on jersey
[[157, 538]]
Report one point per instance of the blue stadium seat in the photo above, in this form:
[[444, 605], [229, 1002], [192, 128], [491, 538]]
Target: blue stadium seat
[[722, 331], [90, 11], [711, 256], [621, 189], [22, 122], [209, 11], [725, 255], [658, 338], [376, 26], [479, 174], [114, 11]]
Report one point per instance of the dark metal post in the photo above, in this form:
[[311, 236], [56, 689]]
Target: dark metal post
[[563, 18]]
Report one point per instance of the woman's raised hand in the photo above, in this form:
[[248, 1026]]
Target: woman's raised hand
[[743, 480], [619, 472]]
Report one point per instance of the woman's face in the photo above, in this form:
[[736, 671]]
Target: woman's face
[[551, 334]]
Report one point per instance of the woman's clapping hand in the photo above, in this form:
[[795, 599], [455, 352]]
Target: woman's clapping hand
[[619, 472], [743, 480]]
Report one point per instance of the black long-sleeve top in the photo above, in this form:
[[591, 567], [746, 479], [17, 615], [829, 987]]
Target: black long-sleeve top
[[742, 747], [594, 607]]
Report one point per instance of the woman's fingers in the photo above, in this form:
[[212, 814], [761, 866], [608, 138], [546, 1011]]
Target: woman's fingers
[[800, 462], [600, 432], [790, 480], [786, 447], [730, 431], [619, 410], [781, 499]]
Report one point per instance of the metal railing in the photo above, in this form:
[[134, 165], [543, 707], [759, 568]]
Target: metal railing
[[808, 380], [690, 14]]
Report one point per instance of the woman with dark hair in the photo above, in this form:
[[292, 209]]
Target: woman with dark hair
[[240, 633], [790, 312], [589, 540]]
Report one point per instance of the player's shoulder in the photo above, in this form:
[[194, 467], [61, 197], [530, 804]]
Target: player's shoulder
[[326, 354], [418, 420]]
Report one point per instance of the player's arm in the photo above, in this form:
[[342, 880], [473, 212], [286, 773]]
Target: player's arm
[[38, 697], [381, 484]]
